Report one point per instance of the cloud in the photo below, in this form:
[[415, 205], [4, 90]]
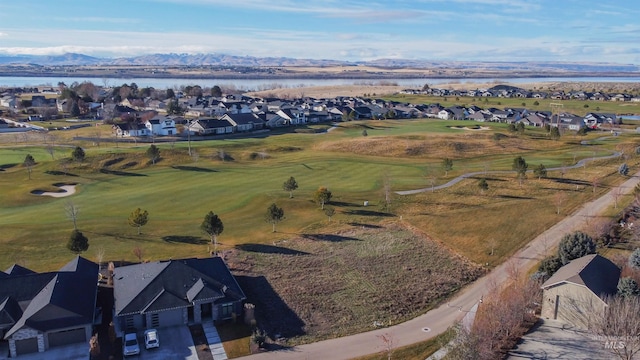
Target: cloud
[[93, 19], [3, 34], [260, 42]]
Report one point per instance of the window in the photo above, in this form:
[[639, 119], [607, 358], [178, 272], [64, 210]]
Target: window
[[227, 309]]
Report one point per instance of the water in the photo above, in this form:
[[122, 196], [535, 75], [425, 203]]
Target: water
[[630, 117], [265, 84]]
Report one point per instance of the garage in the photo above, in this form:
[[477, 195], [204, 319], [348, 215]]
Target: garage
[[171, 318], [67, 337], [26, 346]]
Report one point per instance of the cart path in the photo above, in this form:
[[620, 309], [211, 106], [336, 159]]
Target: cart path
[[438, 320], [579, 164]]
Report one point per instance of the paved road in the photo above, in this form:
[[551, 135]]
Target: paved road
[[441, 318]]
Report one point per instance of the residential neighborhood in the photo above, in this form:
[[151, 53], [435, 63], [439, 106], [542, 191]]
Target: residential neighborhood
[[206, 115]]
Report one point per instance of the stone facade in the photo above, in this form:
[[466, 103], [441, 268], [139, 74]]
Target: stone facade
[[24, 334]]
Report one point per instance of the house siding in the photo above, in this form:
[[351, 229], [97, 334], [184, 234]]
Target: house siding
[[576, 304]]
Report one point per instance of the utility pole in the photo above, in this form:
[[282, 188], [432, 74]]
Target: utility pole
[[555, 110]]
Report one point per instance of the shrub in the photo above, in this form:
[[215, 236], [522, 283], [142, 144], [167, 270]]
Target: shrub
[[259, 337], [623, 169], [549, 265], [628, 287], [575, 245], [634, 259]]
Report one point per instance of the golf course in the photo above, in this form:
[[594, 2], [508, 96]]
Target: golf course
[[427, 245]]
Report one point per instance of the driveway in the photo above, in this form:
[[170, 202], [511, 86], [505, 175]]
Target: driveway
[[175, 343], [79, 351], [440, 319], [550, 339]]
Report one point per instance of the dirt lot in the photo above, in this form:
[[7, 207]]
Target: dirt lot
[[323, 285]]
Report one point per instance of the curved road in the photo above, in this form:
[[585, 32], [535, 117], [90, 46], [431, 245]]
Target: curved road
[[440, 319]]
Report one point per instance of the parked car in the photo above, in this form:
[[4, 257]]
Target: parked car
[[151, 339], [130, 345]]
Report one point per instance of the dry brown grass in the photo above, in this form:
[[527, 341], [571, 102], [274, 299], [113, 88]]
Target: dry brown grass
[[340, 282], [438, 146], [502, 219]]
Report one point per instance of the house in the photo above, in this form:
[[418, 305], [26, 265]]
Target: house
[[129, 129], [161, 126], [211, 127], [576, 291], [244, 122], [567, 121], [9, 101], [175, 292], [39, 311]]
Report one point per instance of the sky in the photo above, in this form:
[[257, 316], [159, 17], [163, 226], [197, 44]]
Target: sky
[[352, 30]]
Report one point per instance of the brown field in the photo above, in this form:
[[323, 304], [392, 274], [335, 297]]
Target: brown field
[[463, 145], [336, 282]]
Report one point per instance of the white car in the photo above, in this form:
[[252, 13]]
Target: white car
[[151, 339], [130, 345]]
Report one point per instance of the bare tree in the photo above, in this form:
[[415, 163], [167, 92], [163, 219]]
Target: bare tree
[[138, 252], [619, 328], [559, 199], [492, 244], [595, 181], [72, 211], [97, 137], [100, 256], [389, 342], [616, 192], [386, 189]]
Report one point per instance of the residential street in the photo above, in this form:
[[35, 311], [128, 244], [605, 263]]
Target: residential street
[[441, 318]]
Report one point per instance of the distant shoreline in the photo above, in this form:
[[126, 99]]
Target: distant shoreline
[[293, 72]]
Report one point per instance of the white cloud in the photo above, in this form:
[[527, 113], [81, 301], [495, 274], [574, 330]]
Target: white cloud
[[317, 45]]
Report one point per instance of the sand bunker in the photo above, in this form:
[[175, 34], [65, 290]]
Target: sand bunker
[[65, 190], [475, 128]]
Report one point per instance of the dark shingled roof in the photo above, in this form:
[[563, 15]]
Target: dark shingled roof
[[173, 284], [16, 269], [595, 272], [51, 300]]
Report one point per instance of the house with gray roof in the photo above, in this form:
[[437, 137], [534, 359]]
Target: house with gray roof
[[577, 291], [174, 292], [39, 311]]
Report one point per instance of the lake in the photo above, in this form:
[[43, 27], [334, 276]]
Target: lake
[[265, 84]]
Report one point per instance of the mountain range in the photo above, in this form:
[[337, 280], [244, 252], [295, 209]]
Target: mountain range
[[222, 60]]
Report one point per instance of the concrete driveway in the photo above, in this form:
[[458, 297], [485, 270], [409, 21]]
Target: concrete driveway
[[550, 339], [175, 343], [79, 351]]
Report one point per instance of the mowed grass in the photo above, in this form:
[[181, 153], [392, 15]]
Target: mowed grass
[[179, 190]]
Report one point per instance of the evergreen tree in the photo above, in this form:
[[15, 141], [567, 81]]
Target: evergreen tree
[[29, 162], [574, 246], [138, 218], [77, 242]]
